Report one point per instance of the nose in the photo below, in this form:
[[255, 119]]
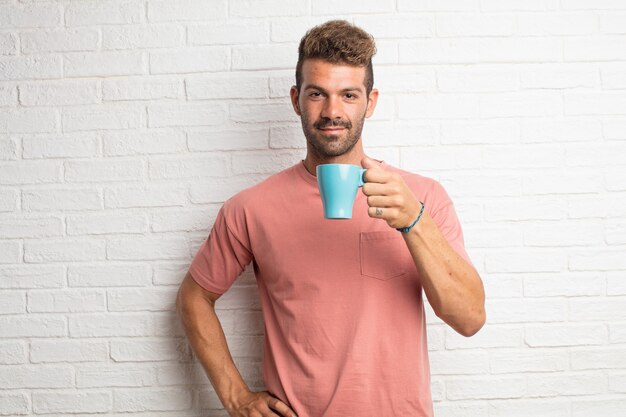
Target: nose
[[332, 108]]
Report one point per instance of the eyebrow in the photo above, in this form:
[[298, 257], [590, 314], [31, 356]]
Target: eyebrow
[[317, 87]]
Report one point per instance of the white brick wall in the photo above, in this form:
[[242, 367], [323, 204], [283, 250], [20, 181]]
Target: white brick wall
[[125, 124]]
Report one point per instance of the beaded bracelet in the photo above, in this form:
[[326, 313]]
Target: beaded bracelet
[[406, 229]]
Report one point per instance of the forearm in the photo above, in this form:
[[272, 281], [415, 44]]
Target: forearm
[[452, 286], [206, 336]]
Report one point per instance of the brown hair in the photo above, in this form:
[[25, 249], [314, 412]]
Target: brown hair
[[338, 42]]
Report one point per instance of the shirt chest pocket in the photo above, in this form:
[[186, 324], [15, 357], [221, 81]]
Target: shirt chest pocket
[[382, 255]]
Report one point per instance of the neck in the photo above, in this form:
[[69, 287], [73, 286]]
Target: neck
[[354, 157]]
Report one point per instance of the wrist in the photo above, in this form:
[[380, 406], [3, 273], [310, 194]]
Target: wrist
[[408, 228]]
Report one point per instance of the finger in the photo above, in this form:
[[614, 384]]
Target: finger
[[382, 212], [281, 407], [373, 188], [377, 175], [382, 201]]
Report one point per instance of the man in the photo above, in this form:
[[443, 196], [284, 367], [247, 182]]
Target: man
[[342, 299]]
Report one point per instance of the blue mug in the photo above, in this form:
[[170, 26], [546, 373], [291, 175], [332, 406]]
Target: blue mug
[[338, 184]]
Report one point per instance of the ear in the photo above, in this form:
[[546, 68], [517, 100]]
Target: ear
[[371, 102], [293, 93]]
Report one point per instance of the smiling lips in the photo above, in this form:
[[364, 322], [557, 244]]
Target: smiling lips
[[331, 130]]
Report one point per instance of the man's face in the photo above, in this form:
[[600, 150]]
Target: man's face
[[332, 104]]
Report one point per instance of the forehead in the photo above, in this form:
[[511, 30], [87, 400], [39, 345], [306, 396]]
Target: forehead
[[329, 75]]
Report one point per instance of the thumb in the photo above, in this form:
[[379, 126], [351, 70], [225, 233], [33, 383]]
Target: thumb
[[368, 162]]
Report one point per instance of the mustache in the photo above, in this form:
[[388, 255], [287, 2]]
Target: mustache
[[324, 123]]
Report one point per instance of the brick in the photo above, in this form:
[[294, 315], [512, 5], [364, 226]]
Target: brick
[[615, 178], [488, 337], [147, 248], [593, 49], [471, 132], [104, 170], [111, 325], [564, 384], [154, 141], [268, 8], [570, 233], [263, 162], [59, 93], [187, 10], [458, 408], [166, 327], [613, 22], [142, 88], [616, 284], [597, 260], [8, 97], [108, 275], [144, 299], [612, 76], [149, 350], [215, 165], [480, 79], [529, 360], [102, 117], [61, 199], [556, 24], [29, 376], [231, 33], [584, 155], [31, 67], [228, 140], [232, 85], [566, 335], [520, 50], [262, 112], [459, 363], [30, 16], [82, 145], [598, 358], [380, 134], [523, 407], [290, 136], [438, 106], [8, 43], [438, 51], [596, 206], [72, 402], [66, 301], [54, 250], [29, 227], [437, 5], [617, 383], [325, 7], [597, 309], [13, 352], [573, 182], [526, 311], [604, 103], [136, 400], [142, 36], [417, 159], [219, 190], [600, 4], [103, 64], [291, 29], [27, 120], [12, 302], [564, 285], [114, 375], [397, 26], [183, 374], [474, 24], [20, 326], [274, 56], [159, 195], [8, 150], [281, 83], [10, 252], [59, 40], [32, 276], [189, 60], [568, 130], [485, 388], [112, 12], [521, 105], [529, 208], [14, 403], [98, 224], [599, 407], [189, 114], [502, 285], [525, 157], [170, 273], [561, 76], [42, 351], [177, 220], [246, 346]]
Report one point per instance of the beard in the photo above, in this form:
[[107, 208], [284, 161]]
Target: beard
[[328, 146]]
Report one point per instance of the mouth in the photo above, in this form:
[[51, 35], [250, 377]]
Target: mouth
[[332, 130]]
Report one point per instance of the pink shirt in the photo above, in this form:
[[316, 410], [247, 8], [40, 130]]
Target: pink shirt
[[342, 300]]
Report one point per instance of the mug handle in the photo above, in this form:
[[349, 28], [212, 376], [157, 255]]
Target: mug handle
[[361, 173]]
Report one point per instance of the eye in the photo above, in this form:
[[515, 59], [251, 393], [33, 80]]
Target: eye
[[315, 94], [350, 96]]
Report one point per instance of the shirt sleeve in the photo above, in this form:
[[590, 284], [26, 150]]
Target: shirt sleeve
[[444, 215], [221, 258]]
